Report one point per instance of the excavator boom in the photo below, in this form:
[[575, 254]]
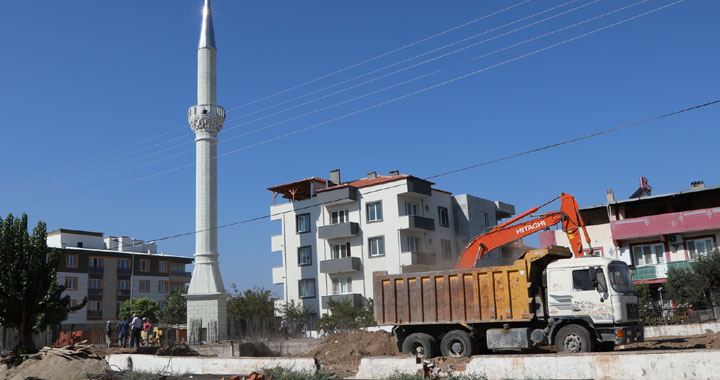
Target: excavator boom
[[507, 232]]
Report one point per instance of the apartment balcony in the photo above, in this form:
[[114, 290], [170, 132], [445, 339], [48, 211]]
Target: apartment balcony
[[95, 292], [356, 299], [340, 230], [338, 196], [669, 223], [276, 243], [416, 258], [96, 270], [278, 275], [123, 292], [124, 272], [416, 223], [180, 273], [94, 314], [417, 188], [343, 265]]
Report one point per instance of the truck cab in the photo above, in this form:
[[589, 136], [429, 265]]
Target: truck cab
[[594, 294]]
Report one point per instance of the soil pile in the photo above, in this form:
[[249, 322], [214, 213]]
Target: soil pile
[[67, 363], [708, 340], [341, 353]]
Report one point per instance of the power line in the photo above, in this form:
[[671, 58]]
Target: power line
[[357, 97], [55, 173], [405, 95], [469, 167]]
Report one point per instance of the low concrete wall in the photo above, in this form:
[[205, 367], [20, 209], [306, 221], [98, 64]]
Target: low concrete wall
[[681, 330], [180, 365], [656, 365]]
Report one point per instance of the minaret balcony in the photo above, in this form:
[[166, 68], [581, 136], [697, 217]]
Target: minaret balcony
[[206, 117], [206, 109]]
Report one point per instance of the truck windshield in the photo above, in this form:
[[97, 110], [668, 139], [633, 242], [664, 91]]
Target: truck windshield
[[620, 278]]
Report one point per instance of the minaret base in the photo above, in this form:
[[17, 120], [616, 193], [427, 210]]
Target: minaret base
[[206, 318]]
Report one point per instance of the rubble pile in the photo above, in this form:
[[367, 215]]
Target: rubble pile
[[75, 361]]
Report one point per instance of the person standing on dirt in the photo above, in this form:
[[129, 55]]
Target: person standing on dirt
[[108, 334], [124, 329], [147, 327], [136, 325]]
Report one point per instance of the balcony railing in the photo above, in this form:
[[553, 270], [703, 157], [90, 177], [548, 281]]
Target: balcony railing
[[340, 230], [124, 271], [180, 273], [342, 265], [677, 265], [416, 223], [355, 299], [94, 314], [95, 291], [96, 270], [657, 271], [123, 292]]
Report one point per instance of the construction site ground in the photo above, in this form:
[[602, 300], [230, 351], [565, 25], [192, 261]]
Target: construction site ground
[[339, 354]]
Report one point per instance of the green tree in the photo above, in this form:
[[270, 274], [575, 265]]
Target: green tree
[[143, 307], [697, 285], [344, 316], [30, 297], [296, 311], [175, 310], [252, 303]]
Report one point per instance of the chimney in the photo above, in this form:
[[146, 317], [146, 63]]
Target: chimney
[[610, 196], [394, 173], [372, 175], [696, 185], [335, 176]]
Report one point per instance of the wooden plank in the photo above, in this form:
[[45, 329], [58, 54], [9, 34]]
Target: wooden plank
[[403, 309], [429, 299], [487, 296], [379, 300], [443, 306], [389, 305], [416, 300], [472, 303], [457, 297]]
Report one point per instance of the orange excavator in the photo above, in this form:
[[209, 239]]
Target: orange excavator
[[506, 232]]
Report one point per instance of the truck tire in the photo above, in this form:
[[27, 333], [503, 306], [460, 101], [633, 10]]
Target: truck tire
[[458, 344], [574, 338], [420, 344]]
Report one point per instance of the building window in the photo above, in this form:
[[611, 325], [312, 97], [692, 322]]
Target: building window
[[446, 248], [145, 265], [340, 250], [305, 255], [374, 212], [95, 283], [303, 223], [96, 262], [377, 246], [699, 247], [71, 261], [71, 283], [413, 244], [649, 254], [443, 218], [484, 219], [124, 264], [144, 286], [123, 284], [306, 288], [93, 305], [411, 208], [162, 286], [73, 302], [341, 285], [163, 266], [339, 216]]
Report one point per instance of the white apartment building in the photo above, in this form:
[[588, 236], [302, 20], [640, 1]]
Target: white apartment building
[[335, 234], [109, 270]]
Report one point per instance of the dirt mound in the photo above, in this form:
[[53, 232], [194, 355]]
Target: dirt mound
[[341, 353], [55, 367], [708, 340]]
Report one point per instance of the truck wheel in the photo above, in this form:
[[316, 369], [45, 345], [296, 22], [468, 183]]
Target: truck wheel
[[574, 338], [420, 344], [457, 344]]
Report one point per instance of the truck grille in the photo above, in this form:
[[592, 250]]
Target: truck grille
[[632, 311]]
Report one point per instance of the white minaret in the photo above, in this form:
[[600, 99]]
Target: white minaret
[[207, 299]]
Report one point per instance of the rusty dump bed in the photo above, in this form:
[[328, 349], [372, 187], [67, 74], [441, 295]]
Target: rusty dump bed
[[491, 294]]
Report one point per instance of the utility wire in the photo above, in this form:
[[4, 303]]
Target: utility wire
[[123, 149], [167, 157]]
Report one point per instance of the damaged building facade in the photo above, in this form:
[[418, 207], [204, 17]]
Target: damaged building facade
[[651, 233], [334, 234]]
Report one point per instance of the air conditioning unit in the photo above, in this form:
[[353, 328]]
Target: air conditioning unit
[[675, 238]]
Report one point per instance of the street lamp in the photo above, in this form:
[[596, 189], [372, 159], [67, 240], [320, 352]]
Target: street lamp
[[132, 274]]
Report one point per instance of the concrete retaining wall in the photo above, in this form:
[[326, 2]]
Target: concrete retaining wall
[[656, 365], [681, 330], [180, 365]]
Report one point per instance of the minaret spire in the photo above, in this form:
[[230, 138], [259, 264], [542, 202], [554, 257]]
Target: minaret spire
[[207, 33]]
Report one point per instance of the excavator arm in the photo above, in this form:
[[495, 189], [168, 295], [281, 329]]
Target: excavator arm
[[507, 232]]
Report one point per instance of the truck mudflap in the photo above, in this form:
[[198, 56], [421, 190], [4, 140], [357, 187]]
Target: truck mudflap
[[622, 334]]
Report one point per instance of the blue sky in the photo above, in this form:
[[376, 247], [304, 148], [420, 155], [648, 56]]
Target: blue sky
[[94, 97]]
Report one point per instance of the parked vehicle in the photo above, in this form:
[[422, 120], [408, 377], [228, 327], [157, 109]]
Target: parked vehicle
[[547, 297]]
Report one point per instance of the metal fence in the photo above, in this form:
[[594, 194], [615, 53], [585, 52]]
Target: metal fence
[[656, 315], [254, 329]]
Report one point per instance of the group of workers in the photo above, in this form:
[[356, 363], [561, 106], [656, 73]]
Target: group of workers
[[131, 330]]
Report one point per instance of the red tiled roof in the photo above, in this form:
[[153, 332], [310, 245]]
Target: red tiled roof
[[314, 179]]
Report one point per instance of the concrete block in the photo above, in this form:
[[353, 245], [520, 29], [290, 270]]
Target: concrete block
[[681, 330], [380, 368], [178, 366]]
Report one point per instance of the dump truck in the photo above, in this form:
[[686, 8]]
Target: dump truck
[[555, 296]]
